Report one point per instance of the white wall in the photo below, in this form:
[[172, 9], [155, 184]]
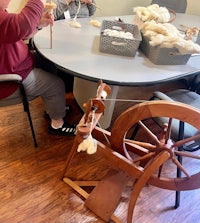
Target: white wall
[[16, 5], [125, 7], [115, 7], [193, 7]]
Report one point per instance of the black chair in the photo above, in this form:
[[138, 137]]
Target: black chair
[[17, 79], [181, 130], [178, 6]]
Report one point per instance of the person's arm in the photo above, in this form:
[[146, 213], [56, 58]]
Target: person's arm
[[18, 26], [91, 7], [62, 6], [46, 19]]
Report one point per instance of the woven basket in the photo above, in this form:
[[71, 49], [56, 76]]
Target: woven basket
[[162, 56], [117, 45]]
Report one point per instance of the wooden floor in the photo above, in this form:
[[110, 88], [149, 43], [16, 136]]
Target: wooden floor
[[31, 189]]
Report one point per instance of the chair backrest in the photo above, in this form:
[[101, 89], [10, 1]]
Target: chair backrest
[[178, 6]]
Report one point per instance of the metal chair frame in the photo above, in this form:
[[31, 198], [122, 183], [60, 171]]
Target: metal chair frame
[[178, 6], [17, 79]]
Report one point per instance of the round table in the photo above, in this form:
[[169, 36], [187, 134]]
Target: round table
[[76, 50]]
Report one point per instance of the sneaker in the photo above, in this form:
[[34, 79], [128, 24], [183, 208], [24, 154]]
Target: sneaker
[[65, 130]]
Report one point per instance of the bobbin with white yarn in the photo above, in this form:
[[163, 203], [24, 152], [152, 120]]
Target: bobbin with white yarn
[[104, 94]]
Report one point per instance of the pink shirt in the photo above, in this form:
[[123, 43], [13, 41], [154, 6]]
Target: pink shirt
[[15, 57]]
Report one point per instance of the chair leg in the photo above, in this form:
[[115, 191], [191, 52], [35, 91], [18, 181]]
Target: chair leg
[[177, 199], [32, 129], [27, 110], [178, 173], [178, 193], [134, 133]]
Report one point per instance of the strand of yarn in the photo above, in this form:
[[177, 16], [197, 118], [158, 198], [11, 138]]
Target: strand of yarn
[[74, 22]]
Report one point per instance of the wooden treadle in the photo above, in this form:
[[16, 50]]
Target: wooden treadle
[[84, 194], [105, 197]]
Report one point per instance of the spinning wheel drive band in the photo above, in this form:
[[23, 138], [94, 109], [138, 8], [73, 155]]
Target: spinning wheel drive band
[[146, 151]]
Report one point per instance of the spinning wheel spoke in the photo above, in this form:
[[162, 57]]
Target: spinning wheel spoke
[[186, 154], [160, 171], [147, 156], [149, 132], [168, 131], [145, 145], [180, 166], [135, 146], [182, 142]]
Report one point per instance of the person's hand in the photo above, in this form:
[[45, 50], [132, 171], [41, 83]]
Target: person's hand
[[46, 19], [86, 1], [69, 1]]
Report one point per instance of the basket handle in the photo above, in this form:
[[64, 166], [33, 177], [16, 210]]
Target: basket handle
[[115, 43], [175, 54], [119, 28], [171, 11]]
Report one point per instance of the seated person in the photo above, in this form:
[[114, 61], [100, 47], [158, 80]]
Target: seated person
[[72, 6], [68, 9], [17, 59]]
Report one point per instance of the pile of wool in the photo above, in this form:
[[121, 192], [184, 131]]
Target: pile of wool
[[119, 34], [167, 35], [152, 12]]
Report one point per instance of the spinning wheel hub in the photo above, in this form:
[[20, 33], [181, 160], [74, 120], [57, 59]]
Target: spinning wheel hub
[[165, 146]]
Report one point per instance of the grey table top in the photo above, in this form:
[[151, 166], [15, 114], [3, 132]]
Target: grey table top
[[76, 50]]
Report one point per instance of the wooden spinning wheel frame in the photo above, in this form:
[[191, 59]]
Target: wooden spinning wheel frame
[[141, 160]]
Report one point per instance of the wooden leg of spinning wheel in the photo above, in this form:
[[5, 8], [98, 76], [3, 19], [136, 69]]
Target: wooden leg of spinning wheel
[[140, 183], [105, 197], [73, 150], [78, 189]]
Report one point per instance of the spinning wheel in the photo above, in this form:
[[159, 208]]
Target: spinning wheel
[[160, 142], [147, 152], [141, 159]]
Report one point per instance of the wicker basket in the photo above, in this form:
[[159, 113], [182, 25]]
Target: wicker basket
[[117, 45], [162, 56]]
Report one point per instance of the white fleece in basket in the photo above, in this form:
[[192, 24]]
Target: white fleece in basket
[[167, 35]]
